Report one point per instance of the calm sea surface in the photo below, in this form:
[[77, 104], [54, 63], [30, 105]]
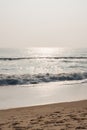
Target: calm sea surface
[[42, 65]]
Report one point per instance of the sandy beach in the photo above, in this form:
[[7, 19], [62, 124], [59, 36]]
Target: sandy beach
[[61, 116]]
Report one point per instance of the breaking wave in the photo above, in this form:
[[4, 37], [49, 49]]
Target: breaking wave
[[6, 79]]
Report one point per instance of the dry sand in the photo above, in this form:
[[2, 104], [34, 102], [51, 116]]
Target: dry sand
[[61, 116]]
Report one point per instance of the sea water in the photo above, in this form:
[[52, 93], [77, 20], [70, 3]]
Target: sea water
[[41, 65], [35, 76]]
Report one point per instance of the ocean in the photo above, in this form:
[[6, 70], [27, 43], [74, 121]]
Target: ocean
[[35, 76], [42, 65]]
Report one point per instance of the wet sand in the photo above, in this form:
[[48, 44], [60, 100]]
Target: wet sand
[[61, 116]]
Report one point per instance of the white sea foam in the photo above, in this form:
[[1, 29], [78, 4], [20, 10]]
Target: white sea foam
[[6, 79]]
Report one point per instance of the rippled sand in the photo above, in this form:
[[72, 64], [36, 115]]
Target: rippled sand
[[61, 116]]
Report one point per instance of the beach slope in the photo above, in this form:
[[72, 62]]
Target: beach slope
[[61, 116]]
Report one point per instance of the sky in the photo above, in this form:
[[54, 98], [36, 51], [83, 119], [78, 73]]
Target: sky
[[43, 23]]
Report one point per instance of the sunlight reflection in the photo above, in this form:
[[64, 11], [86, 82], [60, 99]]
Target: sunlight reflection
[[45, 51]]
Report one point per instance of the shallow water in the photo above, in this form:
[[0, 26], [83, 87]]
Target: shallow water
[[21, 96]]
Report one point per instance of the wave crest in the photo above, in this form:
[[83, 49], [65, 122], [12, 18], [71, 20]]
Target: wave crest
[[39, 78]]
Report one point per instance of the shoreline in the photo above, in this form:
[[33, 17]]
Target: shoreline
[[46, 105], [57, 116]]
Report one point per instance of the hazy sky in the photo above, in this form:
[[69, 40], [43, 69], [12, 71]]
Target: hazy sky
[[25, 23]]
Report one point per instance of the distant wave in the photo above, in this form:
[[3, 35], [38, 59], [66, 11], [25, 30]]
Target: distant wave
[[22, 58], [39, 78]]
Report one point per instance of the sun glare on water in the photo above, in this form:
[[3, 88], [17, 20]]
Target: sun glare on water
[[45, 51], [50, 51]]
